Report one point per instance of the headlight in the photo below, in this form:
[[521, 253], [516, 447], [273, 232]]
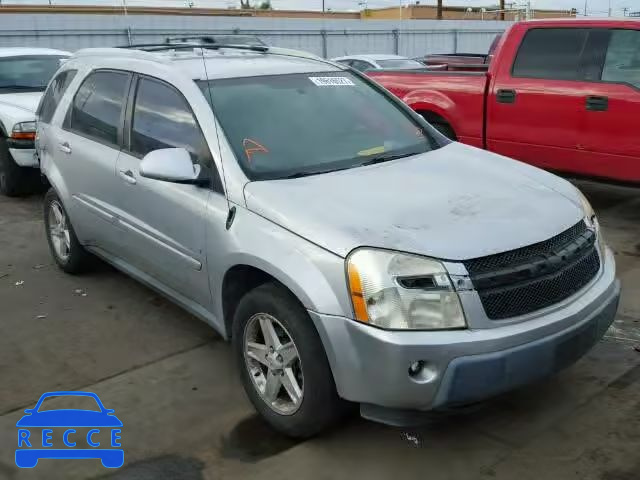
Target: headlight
[[402, 291], [24, 131], [592, 222]]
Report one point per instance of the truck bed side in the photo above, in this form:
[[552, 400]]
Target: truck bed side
[[456, 97]]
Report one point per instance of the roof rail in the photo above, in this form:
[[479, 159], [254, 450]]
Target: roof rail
[[118, 52], [229, 38], [159, 47]]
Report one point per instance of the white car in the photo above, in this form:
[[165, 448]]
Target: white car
[[377, 62], [24, 75]]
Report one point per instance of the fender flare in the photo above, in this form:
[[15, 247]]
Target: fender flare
[[435, 102]]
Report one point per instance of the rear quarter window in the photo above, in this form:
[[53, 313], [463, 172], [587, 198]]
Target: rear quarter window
[[54, 94]]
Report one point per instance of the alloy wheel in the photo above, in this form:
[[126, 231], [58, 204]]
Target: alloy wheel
[[273, 363], [59, 231]]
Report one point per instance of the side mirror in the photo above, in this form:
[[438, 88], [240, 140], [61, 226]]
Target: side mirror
[[169, 165]]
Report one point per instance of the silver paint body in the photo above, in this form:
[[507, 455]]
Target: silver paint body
[[453, 203]]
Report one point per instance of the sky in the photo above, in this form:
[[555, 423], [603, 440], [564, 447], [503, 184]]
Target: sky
[[594, 7]]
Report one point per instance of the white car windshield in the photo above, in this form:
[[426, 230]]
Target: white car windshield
[[30, 73]]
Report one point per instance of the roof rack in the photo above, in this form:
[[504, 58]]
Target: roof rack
[[229, 38], [159, 47]]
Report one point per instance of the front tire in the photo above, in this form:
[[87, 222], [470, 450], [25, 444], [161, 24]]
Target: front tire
[[283, 365], [63, 243]]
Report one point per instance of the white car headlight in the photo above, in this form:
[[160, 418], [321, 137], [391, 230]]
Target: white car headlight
[[592, 222], [402, 291]]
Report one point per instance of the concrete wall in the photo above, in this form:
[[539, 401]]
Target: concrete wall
[[327, 37]]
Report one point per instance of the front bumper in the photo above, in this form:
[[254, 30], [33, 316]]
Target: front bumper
[[23, 152], [371, 366]]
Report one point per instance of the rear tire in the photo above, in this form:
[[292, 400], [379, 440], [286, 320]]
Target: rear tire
[[319, 406], [440, 124], [63, 243], [14, 180], [446, 130]]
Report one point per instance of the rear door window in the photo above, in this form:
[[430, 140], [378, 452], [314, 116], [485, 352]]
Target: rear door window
[[97, 109], [54, 94], [622, 63], [552, 53]]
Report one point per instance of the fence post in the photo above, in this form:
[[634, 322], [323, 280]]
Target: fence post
[[323, 34], [396, 41], [455, 41]]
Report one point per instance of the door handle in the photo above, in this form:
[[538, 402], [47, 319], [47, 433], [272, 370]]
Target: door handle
[[127, 176], [506, 96], [597, 104], [65, 148]]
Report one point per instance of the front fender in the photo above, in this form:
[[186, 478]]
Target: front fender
[[314, 275], [10, 115]]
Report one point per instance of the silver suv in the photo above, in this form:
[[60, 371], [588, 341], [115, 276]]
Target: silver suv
[[350, 252]]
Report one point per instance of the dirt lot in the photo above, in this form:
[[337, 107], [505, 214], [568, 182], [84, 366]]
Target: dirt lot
[[171, 381]]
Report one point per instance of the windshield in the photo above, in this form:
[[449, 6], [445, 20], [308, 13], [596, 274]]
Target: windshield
[[30, 73], [298, 124], [402, 63]]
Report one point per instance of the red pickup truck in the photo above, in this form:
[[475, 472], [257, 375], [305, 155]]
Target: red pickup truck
[[559, 94]]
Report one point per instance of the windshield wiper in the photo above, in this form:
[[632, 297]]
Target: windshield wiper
[[386, 158], [313, 172], [23, 87]]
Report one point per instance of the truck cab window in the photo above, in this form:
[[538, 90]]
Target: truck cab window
[[552, 53], [622, 63]]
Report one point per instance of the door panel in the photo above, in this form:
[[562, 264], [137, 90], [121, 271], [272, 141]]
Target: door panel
[[162, 230], [610, 133], [534, 106], [162, 224], [86, 149]]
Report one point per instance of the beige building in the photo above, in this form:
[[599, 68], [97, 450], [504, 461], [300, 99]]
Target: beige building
[[451, 12]]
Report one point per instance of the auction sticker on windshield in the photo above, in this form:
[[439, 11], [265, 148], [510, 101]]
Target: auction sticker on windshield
[[332, 81]]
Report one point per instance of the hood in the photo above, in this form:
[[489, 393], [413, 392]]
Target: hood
[[27, 101], [454, 203]]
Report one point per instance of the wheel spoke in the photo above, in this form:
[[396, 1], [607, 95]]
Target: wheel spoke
[[258, 352], [272, 388], [290, 384], [271, 339], [288, 352], [57, 213], [67, 239]]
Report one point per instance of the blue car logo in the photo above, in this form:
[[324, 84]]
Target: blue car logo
[[34, 444]]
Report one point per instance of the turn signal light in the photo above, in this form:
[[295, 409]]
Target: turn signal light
[[357, 297], [23, 135]]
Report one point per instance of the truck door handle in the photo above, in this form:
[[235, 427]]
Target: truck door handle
[[506, 96], [65, 148], [597, 104], [127, 176]]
